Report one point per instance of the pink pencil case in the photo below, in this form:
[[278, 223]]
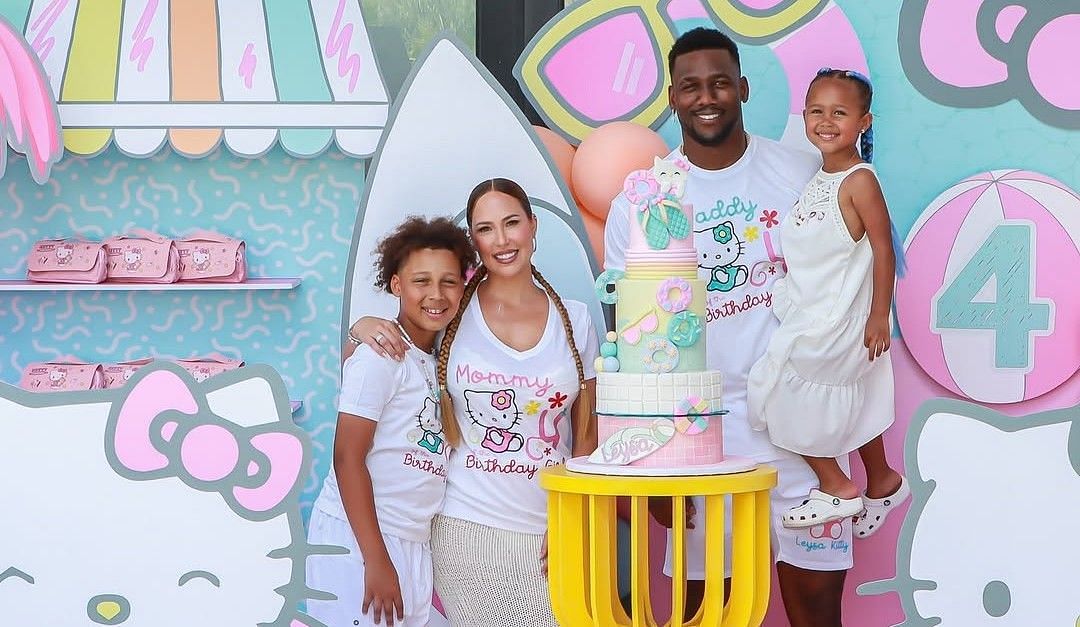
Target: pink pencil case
[[66, 374], [212, 257], [142, 257], [202, 368], [66, 261], [118, 374]]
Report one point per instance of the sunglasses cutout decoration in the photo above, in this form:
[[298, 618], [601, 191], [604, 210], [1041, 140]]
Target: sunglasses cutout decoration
[[646, 324], [627, 44]]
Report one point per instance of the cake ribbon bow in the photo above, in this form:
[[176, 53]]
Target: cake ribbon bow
[[162, 430]]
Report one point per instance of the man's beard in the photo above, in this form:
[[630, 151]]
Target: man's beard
[[720, 137]]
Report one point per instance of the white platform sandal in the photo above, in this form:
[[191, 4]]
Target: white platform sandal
[[821, 508], [868, 523]]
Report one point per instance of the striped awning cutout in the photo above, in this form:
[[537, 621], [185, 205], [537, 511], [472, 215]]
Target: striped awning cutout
[[196, 73]]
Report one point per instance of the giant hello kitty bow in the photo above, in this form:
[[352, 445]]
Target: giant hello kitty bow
[[162, 430]]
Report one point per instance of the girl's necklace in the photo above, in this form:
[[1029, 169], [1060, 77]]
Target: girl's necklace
[[421, 362]]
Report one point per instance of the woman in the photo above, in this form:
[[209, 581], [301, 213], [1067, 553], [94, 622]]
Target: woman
[[516, 374]]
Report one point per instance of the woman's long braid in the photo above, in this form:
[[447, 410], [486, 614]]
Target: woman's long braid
[[583, 416], [449, 421]]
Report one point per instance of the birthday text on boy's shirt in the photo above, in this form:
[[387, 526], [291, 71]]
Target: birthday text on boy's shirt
[[510, 467], [425, 464], [467, 374], [719, 308]]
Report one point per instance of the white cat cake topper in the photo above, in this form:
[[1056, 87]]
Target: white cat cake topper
[[655, 199], [167, 501]]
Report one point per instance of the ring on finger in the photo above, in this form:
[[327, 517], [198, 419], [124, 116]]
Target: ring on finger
[[378, 338]]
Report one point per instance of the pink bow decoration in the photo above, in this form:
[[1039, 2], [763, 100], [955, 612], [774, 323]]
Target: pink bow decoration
[[162, 430]]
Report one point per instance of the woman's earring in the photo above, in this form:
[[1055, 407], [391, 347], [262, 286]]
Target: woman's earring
[[534, 243]]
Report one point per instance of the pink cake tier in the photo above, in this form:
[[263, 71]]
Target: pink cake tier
[[659, 420]]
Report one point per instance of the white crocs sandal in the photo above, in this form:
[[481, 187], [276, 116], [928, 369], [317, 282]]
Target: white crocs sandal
[[821, 508], [868, 523]]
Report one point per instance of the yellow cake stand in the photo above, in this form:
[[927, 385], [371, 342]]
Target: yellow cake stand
[[582, 556]]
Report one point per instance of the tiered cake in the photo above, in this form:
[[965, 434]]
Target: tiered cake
[[658, 407]]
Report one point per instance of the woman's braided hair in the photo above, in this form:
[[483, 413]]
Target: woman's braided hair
[[583, 413]]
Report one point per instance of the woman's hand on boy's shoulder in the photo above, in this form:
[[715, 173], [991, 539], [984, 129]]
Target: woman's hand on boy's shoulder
[[383, 336]]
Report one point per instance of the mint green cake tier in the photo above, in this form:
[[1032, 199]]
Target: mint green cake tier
[[637, 299]]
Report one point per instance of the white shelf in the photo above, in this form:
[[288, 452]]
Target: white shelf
[[261, 283]]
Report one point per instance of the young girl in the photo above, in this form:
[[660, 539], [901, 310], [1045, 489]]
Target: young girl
[[824, 387], [516, 371], [388, 476]]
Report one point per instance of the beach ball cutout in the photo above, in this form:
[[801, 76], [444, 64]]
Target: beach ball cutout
[[989, 307]]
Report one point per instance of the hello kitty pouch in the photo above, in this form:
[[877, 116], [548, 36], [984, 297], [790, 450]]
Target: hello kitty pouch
[[65, 374], [212, 257], [142, 257], [202, 368], [66, 261], [118, 374]]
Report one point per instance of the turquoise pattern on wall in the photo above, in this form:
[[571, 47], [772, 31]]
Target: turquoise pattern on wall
[[296, 216]]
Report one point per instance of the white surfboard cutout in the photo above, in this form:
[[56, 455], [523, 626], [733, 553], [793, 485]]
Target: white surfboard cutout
[[452, 127]]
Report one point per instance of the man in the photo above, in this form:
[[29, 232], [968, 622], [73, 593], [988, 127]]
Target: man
[[740, 186]]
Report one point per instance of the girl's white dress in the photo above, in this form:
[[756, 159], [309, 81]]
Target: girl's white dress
[[815, 390]]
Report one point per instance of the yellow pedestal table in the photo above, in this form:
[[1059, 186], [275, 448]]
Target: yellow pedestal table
[[582, 560]]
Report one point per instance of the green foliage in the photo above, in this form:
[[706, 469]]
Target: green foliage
[[421, 20]]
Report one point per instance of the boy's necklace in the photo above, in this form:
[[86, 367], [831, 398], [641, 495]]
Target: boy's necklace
[[421, 362]]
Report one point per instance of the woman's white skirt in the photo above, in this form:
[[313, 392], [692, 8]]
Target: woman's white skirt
[[488, 577]]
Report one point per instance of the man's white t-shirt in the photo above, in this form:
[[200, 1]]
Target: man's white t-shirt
[[514, 409], [735, 213], [408, 456]]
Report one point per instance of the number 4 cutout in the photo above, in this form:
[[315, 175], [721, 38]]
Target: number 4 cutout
[[1005, 264]]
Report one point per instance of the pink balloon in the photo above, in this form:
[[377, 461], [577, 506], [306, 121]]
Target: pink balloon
[[560, 150], [606, 156]]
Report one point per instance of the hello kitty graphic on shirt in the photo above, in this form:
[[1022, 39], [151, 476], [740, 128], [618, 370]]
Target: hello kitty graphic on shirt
[[429, 432], [494, 414], [720, 260], [132, 259], [63, 253]]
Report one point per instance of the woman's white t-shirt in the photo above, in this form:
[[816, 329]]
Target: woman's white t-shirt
[[514, 411], [407, 459]]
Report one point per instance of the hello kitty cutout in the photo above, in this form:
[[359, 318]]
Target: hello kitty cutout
[[977, 500], [982, 53], [172, 502]]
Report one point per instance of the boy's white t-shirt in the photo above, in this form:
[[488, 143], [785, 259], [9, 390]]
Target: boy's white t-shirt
[[408, 456], [736, 214], [514, 410]]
